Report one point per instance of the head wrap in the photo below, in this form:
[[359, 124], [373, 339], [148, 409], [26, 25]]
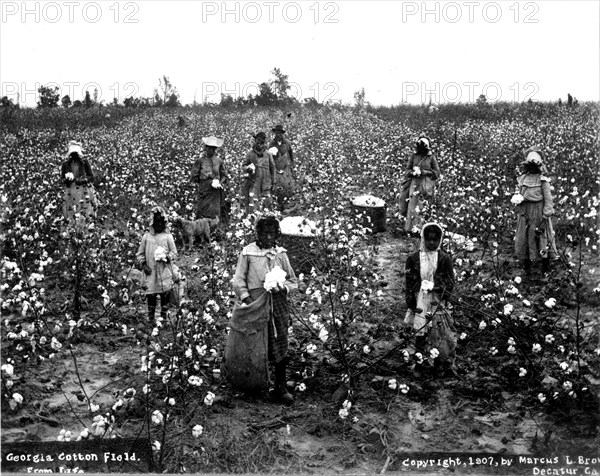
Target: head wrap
[[75, 147], [434, 226]]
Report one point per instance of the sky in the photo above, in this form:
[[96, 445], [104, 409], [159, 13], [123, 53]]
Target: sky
[[398, 51]]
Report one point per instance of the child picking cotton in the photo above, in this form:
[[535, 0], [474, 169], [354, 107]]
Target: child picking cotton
[[155, 256], [263, 280], [429, 284]]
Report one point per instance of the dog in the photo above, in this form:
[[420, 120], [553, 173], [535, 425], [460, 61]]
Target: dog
[[189, 230]]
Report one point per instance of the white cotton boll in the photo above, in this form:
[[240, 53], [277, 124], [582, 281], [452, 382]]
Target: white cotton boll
[[541, 397], [209, 399], [273, 150], [8, 369], [160, 254], [157, 417], [426, 285], [275, 279], [522, 372], [517, 199]]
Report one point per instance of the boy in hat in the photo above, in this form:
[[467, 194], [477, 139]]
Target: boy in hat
[[259, 169]]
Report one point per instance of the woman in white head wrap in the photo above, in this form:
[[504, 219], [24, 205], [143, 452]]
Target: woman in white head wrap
[[535, 235], [77, 176], [418, 185]]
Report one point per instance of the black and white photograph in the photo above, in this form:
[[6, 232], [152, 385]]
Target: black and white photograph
[[340, 237]]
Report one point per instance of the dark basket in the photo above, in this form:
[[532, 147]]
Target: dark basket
[[371, 217], [302, 251]]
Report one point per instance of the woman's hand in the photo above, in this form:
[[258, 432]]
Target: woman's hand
[[147, 270], [279, 289]]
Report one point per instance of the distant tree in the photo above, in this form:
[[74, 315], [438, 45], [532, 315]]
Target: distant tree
[[6, 103], [166, 91], [226, 100], [95, 95], [569, 100], [266, 96], [559, 102], [311, 102], [482, 100], [77, 103], [158, 102], [87, 101], [66, 101], [359, 98], [280, 85], [129, 102], [173, 101], [115, 102], [48, 96]]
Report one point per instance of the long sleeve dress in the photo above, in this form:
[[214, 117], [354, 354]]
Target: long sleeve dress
[[257, 186], [79, 200], [210, 199], [163, 274], [535, 235], [284, 185], [414, 188], [253, 265]]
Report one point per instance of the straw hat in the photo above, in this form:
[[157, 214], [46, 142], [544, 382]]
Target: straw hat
[[534, 155], [212, 141]]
